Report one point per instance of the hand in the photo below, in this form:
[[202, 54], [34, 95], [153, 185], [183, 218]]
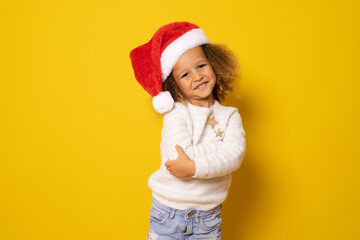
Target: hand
[[182, 166]]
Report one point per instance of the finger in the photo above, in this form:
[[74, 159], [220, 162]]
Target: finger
[[169, 163], [179, 150]]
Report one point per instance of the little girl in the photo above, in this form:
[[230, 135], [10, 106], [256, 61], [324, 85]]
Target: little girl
[[202, 142]]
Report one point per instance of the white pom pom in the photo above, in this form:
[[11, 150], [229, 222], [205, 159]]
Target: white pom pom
[[163, 102]]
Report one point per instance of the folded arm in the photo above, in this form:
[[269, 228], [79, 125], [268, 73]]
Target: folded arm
[[229, 157], [212, 159], [176, 132]]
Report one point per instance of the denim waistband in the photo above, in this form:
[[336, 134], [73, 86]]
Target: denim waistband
[[199, 213]]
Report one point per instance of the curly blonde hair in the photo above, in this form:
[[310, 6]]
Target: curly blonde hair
[[225, 66]]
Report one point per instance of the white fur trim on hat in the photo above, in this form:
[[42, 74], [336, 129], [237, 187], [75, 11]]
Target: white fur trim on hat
[[163, 102], [193, 38]]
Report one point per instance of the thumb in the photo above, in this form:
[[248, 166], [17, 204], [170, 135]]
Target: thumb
[[179, 150]]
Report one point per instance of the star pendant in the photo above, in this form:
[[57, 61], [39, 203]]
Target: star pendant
[[212, 122], [219, 133]]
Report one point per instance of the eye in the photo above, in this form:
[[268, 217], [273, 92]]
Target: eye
[[202, 65], [185, 75]]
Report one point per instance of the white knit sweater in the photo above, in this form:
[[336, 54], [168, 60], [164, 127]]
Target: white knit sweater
[[217, 149]]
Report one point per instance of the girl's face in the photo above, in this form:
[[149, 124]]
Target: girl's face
[[195, 77]]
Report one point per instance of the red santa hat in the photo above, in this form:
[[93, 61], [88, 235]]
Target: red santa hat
[[153, 62]]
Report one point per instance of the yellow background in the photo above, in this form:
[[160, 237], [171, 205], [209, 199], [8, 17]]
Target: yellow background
[[79, 138]]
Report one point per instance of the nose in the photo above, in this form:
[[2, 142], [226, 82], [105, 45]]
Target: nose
[[198, 76]]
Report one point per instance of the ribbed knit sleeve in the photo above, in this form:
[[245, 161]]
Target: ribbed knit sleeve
[[176, 132], [229, 157]]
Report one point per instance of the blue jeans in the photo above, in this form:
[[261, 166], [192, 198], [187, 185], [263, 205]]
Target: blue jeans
[[169, 223]]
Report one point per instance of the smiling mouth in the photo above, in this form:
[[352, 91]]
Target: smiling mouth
[[201, 86]]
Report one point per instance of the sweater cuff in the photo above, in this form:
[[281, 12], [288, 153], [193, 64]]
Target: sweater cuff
[[201, 170]]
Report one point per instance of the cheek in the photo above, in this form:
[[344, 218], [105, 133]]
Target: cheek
[[210, 73], [184, 85], [179, 84], [213, 74]]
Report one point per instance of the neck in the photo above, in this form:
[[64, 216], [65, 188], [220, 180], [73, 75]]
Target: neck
[[206, 103]]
